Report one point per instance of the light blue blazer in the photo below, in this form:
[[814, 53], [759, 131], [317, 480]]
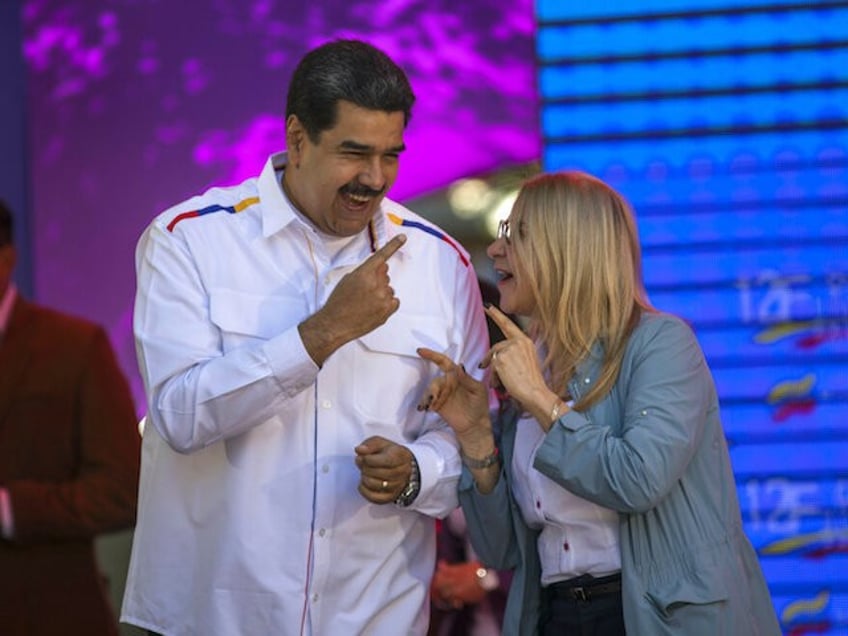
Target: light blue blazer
[[654, 450]]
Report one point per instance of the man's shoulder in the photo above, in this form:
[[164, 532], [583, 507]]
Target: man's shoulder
[[397, 213], [56, 321], [216, 205], [432, 236]]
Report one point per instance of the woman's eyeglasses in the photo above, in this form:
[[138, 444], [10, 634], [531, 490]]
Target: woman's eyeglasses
[[504, 231]]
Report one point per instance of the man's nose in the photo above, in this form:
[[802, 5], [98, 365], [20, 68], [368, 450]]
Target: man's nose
[[373, 173]]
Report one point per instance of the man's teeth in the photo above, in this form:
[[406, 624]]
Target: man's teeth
[[359, 198]]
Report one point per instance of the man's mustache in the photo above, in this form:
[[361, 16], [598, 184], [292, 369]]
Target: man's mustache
[[361, 190]]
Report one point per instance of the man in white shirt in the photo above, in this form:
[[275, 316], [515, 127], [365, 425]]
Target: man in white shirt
[[289, 483]]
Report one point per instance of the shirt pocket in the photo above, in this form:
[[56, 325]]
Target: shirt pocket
[[245, 318], [389, 376]]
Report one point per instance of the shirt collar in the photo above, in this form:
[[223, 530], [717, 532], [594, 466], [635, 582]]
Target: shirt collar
[[277, 212], [6, 304]]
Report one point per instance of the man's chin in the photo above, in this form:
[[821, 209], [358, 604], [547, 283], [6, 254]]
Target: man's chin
[[344, 229]]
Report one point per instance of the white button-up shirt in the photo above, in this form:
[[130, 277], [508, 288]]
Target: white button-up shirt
[[250, 522], [577, 536]]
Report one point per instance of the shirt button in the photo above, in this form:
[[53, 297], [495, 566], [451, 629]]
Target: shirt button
[[327, 280], [325, 468], [327, 404], [587, 380], [538, 504], [565, 546], [314, 598], [322, 532], [644, 411]]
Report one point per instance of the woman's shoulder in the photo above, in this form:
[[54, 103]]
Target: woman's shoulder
[[666, 343], [660, 327]]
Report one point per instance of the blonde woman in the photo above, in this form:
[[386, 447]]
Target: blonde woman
[[610, 490]]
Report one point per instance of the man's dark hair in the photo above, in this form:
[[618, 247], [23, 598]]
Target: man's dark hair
[[7, 226], [348, 70]]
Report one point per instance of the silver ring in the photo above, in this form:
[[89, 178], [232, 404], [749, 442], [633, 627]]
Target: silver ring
[[385, 484]]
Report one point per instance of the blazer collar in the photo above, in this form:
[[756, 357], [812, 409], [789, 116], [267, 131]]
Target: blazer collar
[[15, 351]]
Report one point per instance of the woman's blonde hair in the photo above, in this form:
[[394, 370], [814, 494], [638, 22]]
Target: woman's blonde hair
[[577, 246]]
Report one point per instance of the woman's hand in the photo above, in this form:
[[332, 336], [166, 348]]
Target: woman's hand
[[461, 400], [463, 403], [515, 365], [456, 584]]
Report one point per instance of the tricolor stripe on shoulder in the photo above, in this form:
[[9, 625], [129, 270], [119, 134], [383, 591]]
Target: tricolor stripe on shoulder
[[209, 209], [394, 218]]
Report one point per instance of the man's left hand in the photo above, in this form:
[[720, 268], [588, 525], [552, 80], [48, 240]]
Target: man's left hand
[[384, 467]]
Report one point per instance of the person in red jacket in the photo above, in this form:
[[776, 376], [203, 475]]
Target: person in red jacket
[[69, 463]]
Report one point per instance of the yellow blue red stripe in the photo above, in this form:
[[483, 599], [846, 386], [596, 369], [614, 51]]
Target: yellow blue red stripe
[[229, 209], [394, 218]]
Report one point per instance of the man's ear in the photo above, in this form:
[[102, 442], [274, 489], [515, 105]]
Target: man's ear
[[295, 138]]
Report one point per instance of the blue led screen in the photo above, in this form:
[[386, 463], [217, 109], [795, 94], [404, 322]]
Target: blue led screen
[[726, 126]]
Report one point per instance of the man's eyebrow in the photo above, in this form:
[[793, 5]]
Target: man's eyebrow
[[354, 145]]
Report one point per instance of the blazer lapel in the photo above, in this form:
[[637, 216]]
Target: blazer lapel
[[14, 353]]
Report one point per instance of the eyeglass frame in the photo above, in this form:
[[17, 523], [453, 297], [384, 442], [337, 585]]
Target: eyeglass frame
[[504, 231]]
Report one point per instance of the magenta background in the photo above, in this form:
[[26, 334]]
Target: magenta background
[[136, 105]]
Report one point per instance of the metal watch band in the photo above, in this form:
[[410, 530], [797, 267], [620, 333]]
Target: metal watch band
[[410, 491]]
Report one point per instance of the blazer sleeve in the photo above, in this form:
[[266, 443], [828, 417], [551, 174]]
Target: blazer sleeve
[[489, 521], [666, 391], [100, 493]]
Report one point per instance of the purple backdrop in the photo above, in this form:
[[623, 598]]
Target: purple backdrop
[[134, 105]]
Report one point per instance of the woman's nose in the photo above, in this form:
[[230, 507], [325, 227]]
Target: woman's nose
[[496, 248]]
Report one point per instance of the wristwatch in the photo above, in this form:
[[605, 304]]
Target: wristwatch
[[410, 491], [488, 579]]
